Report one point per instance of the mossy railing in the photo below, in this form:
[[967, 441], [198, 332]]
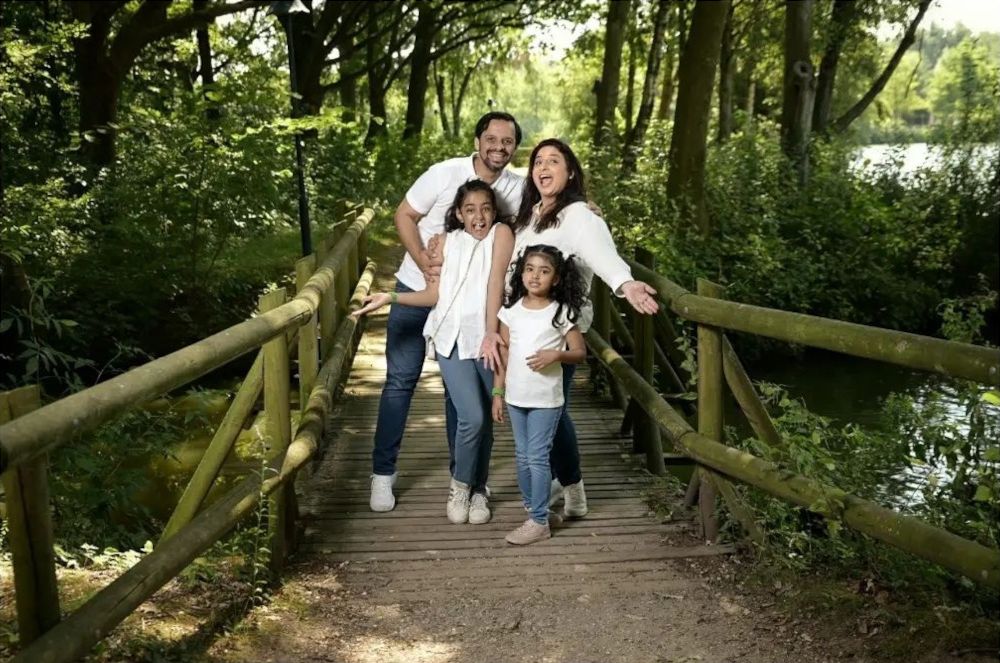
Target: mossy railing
[[718, 365], [318, 311]]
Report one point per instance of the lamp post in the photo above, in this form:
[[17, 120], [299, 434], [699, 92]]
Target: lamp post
[[286, 10]]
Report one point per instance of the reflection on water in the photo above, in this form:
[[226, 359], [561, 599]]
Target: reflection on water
[[910, 157], [851, 390]]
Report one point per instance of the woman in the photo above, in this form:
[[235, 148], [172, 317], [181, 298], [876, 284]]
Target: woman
[[554, 211]]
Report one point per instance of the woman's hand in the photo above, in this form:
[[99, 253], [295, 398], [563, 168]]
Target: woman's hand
[[372, 303], [498, 409], [490, 351], [542, 358], [641, 296]]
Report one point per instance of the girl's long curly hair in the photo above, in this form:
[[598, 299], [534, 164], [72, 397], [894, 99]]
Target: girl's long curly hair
[[575, 190], [568, 290], [451, 220]]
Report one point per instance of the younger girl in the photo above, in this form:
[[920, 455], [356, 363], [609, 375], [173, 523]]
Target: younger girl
[[538, 326], [467, 294]]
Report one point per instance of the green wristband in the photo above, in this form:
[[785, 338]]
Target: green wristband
[[394, 297], [498, 391]]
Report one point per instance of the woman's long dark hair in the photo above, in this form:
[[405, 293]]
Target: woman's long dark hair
[[569, 290], [451, 220], [575, 190]]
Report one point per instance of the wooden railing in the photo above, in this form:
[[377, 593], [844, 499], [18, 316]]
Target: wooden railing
[[718, 365], [314, 324]]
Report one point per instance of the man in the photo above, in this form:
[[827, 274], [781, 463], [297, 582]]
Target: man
[[419, 217]]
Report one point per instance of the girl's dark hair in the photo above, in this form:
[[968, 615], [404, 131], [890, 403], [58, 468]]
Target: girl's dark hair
[[451, 220], [569, 291], [575, 190]]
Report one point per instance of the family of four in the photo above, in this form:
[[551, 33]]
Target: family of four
[[494, 286]]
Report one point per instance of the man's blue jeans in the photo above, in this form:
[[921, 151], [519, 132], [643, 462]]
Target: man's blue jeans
[[534, 429], [469, 384], [565, 456], [404, 357]]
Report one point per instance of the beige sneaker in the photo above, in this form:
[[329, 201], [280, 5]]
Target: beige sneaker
[[479, 509], [529, 532], [576, 500], [458, 502], [382, 498]]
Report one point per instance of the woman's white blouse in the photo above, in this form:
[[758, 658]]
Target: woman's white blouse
[[586, 236]]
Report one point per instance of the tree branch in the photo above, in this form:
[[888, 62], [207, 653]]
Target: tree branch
[[844, 121]]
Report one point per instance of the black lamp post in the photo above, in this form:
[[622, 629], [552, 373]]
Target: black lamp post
[[286, 10]]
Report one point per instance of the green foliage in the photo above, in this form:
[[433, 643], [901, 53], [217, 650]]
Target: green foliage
[[919, 458], [868, 246]]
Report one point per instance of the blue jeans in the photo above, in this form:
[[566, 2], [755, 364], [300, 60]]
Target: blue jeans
[[534, 429], [405, 349], [565, 456], [469, 384]]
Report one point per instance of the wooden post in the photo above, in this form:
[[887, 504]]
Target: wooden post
[[215, 455], [328, 301], [308, 351], [709, 406], [30, 523], [601, 297], [646, 431], [279, 429], [343, 284]]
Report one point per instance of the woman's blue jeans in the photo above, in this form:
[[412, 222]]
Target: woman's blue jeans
[[565, 456], [469, 384], [534, 430]]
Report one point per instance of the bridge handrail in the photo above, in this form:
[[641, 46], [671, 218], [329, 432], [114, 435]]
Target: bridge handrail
[[73, 637], [973, 560], [47, 428], [960, 360]]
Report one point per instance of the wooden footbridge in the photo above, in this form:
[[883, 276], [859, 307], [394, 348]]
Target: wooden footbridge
[[316, 485]]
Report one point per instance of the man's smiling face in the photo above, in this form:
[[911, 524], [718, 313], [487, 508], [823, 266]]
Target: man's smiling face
[[496, 145]]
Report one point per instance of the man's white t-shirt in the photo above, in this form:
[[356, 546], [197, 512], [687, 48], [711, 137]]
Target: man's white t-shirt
[[434, 192], [532, 330]]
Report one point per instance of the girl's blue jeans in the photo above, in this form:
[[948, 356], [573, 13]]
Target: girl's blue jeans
[[534, 430], [469, 384]]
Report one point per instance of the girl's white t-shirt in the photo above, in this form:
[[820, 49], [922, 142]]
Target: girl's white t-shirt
[[532, 330]]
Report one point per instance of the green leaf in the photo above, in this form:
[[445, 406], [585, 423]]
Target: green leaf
[[983, 494], [992, 455], [992, 397], [6, 324]]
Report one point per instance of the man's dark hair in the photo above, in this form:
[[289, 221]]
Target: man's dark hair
[[485, 120]]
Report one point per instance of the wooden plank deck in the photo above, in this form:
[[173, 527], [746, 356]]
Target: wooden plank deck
[[413, 552]]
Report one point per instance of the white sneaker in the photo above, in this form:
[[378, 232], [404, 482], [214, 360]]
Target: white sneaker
[[555, 493], [382, 498], [458, 502], [479, 509], [576, 500]]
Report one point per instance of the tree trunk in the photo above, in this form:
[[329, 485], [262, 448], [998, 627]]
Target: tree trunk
[[205, 69], [376, 81], [456, 111], [633, 142], [799, 85], [607, 87], [347, 87], [695, 80], [727, 65], [857, 109], [667, 91], [442, 104], [841, 17], [633, 57], [100, 88], [420, 65]]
